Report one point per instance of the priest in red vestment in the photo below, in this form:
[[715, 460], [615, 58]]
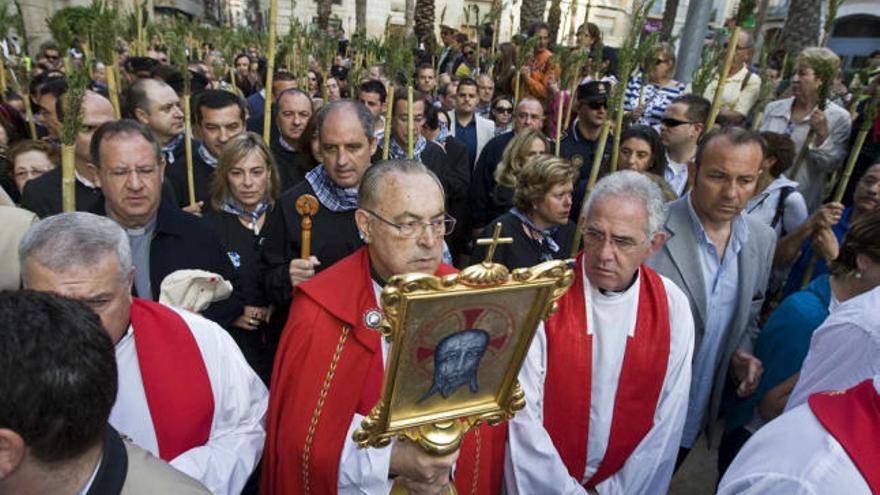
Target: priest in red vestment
[[828, 445], [607, 377], [329, 366]]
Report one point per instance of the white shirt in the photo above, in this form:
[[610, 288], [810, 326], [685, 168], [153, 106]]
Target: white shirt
[[676, 175], [736, 96], [794, 454], [235, 443], [532, 464], [365, 471], [844, 350], [764, 206]]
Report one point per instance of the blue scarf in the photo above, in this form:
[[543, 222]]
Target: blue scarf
[[444, 134], [207, 157], [232, 206], [547, 234], [396, 152], [333, 197], [168, 149]]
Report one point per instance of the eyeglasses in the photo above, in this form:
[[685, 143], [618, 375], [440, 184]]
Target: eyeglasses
[[504, 109], [596, 105], [595, 238], [441, 226], [668, 122], [661, 61]]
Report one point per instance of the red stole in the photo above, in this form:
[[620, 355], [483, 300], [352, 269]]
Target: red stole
[[852, 417], [325, 307], [569, 369], [175, 379]]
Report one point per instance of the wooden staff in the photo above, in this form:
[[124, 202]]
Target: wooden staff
[[307, 206], [722, 79], [270, 69], [3, 83], [112, 87], [410, 124], [29, 111], [594, 175], [387, 137], [68, 177], [187, 142], [802, 153], [870, 114], [560, 109]]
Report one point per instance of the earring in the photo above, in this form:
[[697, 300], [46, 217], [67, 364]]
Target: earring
[[857, 275]]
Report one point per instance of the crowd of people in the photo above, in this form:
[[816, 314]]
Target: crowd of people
[[171, 337]]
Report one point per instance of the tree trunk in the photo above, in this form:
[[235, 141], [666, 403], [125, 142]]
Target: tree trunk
[[360, 16], [409, 12], [670, 12], [553, 19], [531, 11], [801, 28], [324, 9], [424, 20]]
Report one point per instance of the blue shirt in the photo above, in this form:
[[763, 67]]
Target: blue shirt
[[796, 275], [721, 278], [467, 134]]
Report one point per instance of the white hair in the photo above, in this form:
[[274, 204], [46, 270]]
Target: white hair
[[636, 186], [76, 239]]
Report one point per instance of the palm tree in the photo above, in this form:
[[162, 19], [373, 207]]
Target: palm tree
[[325, 7], [670, 12], [801, 28], [553, 19], [360, 16], [531, 11], [424, 21]]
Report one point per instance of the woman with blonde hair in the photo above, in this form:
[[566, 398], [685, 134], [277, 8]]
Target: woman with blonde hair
[[489, 202], [538, 221], [243, 191]]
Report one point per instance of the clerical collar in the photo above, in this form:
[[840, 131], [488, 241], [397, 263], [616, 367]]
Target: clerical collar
[[375, 276], [139, 231], [612, 293]]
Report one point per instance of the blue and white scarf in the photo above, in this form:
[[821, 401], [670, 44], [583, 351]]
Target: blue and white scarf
[[546, 234], [206, 156], [232, 206], [444, 134], [396, 152], [333, 197], [168, 149]]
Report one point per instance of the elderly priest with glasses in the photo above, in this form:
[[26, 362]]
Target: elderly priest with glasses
[[330, 363]]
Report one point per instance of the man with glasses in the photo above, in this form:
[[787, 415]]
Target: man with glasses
[[582, 139], [50, 54], [681, 126], [721, 259], [334, 325], [606, 380], [741, 87], [129, 169]]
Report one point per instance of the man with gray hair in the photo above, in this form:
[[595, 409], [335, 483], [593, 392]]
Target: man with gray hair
[[186, 393], [345, 134], [607, 378], [334, 318]]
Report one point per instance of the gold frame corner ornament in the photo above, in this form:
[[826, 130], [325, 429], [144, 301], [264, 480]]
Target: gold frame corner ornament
[[439, 429]]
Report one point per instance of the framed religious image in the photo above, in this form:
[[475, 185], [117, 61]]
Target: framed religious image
[[457, 345]]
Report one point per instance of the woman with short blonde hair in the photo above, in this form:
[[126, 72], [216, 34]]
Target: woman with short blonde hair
[[236, 150], [539, 221], [526, 144]]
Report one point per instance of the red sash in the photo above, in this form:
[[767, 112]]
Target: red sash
[[852, 417], [567, 388], [175, 379]]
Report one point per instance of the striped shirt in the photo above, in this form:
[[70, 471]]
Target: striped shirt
[[655, 99]]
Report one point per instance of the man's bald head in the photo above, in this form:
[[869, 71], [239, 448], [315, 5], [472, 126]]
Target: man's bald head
[[96, 110], [529, 112]]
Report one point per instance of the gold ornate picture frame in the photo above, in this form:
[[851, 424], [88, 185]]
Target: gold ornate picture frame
[[457, 345]]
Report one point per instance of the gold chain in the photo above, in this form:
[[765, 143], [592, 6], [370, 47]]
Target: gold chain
[[321, 398], [476, 463]]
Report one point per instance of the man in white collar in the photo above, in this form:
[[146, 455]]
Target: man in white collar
[[43, 194], [680, 129], [186, 394], [607, 379]]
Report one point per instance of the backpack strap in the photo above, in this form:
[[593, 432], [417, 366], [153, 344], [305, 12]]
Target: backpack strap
[[780, 207]]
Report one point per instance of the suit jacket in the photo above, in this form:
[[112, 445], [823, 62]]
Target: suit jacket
[[43, 194], [485, 130], [677, 260], [15, 222]]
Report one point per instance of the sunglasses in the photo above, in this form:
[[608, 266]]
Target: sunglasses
[[596, 105], [467, 54], [661, 61], [504, 109], [673, 122]]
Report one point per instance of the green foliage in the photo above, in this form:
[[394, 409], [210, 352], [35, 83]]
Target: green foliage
[[8, 20], [77, 80], [399, 57], [70, 24], [103, 30], [745, 11], [710, 62], [633, 50]]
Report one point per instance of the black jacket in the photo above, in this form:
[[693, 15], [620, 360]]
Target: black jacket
[[483, 207], [183, 241], [43, 195], [292, 165], [175, 174]]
